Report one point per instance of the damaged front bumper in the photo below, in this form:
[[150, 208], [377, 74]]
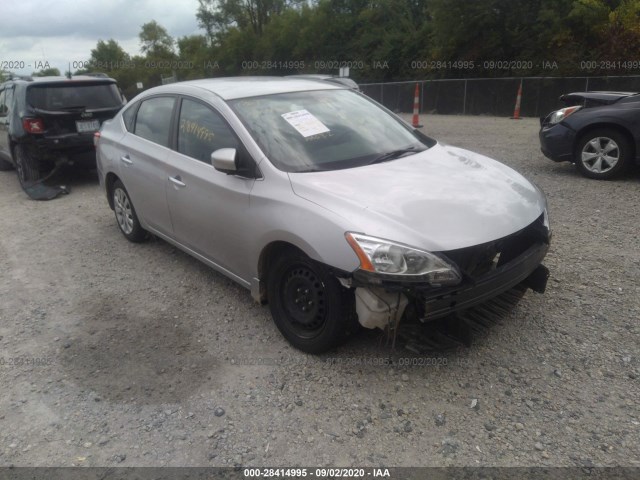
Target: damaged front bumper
[[384, 303]]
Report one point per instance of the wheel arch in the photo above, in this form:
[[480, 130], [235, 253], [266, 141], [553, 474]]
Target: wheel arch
[[268, 254], [109, 181]]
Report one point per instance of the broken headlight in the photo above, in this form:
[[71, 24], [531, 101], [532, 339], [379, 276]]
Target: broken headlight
[[393, 259]]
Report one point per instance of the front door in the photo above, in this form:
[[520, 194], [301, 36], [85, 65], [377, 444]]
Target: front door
[[209, 209]]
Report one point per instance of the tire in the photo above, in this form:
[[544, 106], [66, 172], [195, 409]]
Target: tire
[[126, 217], [308, 305], [28, 165], [5, 166], [603, 154]]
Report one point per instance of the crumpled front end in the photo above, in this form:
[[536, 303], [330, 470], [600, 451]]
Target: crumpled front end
[[488, 270]]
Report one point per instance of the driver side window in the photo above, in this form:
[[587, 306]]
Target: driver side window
[[201, 131]]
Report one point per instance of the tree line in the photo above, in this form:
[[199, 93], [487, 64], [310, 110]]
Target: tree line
[[385, 40]]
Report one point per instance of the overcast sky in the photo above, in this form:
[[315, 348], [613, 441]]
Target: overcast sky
[[63, 31]]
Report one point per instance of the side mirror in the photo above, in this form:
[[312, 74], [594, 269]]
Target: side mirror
[[224, 160]]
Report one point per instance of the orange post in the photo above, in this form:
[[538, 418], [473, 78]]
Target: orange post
[[416, 108], [516, 110]]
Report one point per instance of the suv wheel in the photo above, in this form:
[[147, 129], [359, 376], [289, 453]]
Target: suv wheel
[[603, 154], [308, 304], [126, 215], [27, 165]]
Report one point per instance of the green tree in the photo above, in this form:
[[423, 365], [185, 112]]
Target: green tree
[[47, 72], [195, 54], [219, 16], [155, 41], [108, 56]]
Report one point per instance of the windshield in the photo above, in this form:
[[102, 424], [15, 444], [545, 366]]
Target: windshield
[[74, 96], [324, 130]]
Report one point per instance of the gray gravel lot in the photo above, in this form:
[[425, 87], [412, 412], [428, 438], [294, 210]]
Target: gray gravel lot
[[119, 354]]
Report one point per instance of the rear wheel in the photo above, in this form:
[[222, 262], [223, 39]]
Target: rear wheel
[[603, 154], [28, 165], [308, 304], [126, 215]]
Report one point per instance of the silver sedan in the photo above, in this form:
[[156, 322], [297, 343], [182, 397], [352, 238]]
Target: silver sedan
[[322, 203]]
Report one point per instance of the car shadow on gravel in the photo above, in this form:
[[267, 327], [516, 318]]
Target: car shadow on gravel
[[146, 358], [72, 177], [569, 171]]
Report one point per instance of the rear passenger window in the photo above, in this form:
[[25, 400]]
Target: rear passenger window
[[153, 121], [128, 116], [201, 131], [3, 107]]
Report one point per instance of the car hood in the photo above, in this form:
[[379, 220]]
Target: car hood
[[591, 99], [441, 199]]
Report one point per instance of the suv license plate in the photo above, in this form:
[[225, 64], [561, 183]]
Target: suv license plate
[[88, 126]]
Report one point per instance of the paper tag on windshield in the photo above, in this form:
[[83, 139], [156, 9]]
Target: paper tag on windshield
[[306, 124]]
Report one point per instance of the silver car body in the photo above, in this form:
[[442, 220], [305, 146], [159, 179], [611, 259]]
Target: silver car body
[[440, 199]]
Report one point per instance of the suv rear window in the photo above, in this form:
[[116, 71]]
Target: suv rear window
[[69, 96]]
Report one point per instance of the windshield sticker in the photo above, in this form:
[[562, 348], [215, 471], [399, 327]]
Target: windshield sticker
[[305, 123]]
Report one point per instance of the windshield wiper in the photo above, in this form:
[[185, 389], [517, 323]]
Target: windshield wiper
[[385, 157], [74, 107]]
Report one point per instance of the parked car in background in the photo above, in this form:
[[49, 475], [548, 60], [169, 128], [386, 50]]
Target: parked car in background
[[598, 131], [321, 202], [49, 121]]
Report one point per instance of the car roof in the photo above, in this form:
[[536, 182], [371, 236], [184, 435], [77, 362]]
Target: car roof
[[61, 79], [230, 88], [75, 78]]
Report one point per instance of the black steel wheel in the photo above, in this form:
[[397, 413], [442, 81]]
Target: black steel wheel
[[308, 304]]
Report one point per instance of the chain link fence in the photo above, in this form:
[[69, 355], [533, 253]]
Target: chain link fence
[[491, 96]]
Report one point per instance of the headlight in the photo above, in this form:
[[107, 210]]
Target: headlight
[[393, 259], [559, 115]]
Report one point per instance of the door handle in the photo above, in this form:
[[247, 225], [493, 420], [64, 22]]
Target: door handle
[[177, 180], [126, 159]]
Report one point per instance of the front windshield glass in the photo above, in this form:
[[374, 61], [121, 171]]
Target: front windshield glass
[[324, 130]]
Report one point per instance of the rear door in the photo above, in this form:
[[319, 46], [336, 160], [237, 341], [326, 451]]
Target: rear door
[[209, 209], [143, 155]]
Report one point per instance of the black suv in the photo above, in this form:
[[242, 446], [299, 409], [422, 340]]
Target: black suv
[[47, 122]]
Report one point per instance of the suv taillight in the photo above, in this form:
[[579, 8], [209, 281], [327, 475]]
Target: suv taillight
[[96, 137], [33, 125]]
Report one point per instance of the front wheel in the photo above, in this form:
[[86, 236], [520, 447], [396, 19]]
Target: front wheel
[[603, 154], [308, 304], [126, 215]]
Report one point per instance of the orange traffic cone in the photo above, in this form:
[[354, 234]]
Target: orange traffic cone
[[416, 108], [516, 110]]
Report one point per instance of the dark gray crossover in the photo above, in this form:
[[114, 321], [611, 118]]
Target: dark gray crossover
[[598, 131], [46, 122]]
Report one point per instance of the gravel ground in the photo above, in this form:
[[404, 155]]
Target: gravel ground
[[119, 354]]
